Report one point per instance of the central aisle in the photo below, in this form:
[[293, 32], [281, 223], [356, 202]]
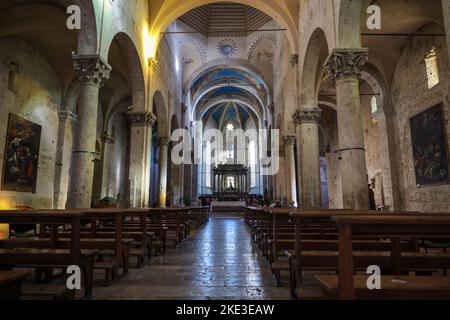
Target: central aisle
[[219, 262]]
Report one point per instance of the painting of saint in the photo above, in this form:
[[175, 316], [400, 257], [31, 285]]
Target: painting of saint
[[430, 147], [20, 165]]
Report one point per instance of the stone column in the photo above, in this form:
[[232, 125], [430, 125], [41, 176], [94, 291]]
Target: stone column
[[291, 184], [140, 127], [163, 143], [108, 143], [67, 122], [307, 127], [345, 65], [390, 162], [92, 70]]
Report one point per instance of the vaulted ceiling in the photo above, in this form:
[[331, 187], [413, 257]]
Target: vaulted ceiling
[[225, 19]]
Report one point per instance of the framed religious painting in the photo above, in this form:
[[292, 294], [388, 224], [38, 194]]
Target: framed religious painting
[[430, 149], [20, 165]]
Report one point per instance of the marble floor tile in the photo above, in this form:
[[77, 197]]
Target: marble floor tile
[[218, 262]]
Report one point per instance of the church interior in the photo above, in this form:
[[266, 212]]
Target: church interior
[[224, 150]]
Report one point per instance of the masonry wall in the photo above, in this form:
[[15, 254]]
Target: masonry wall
[[411, 96], [34, 95]]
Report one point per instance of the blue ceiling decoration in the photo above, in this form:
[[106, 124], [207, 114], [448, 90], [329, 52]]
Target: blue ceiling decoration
[[227, 47], [217, 115], [231, 114], [227, 91], [228, 112], [230, 74], [243, 113]]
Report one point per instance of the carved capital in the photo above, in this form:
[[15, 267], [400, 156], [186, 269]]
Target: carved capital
[[91, 68], [163, 141], [67, 115], [289, 140], [306, 116], [346, 62], [141, 119]]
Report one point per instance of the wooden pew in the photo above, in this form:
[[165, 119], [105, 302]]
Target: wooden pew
[[282, 234], [168, 219], [347, 286], [50, 257], [198, 216], [11, 284], [315, 241]]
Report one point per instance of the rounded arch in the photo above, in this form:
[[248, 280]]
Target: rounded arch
[[160, 110], [225, 63], [135, 70], [250, 81], [269, 37], [173, 9], [373, 77], [312, 72], [70, 98]]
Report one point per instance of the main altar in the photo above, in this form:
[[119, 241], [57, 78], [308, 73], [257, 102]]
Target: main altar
[[230, 182]]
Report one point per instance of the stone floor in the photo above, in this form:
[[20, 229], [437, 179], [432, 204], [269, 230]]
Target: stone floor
[[217, 262]]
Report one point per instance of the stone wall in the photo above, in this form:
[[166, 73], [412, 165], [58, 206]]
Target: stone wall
[[411, 96], [35, 96]]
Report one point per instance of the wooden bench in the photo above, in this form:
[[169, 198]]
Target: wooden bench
[[50, 257], [347, 286], [11, 284]]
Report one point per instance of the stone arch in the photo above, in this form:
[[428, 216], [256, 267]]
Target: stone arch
[[262, 38], [70, 97], [136, 73], [312, 71], [195, 42], [160, 110], [229, 63], [373, 77], [225, 62], [173, 9]]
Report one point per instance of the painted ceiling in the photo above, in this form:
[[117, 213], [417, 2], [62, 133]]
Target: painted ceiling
[[229, 112]]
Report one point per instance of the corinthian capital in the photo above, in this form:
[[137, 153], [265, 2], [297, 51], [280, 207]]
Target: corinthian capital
[[141, 119], [306, 116], [346, 62], [91, 68], [164, 141]]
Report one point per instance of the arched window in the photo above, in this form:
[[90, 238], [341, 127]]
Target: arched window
[[374, 105], [229, 152], [431, 61]]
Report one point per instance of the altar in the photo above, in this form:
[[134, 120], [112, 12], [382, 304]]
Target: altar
[[230, 182]]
